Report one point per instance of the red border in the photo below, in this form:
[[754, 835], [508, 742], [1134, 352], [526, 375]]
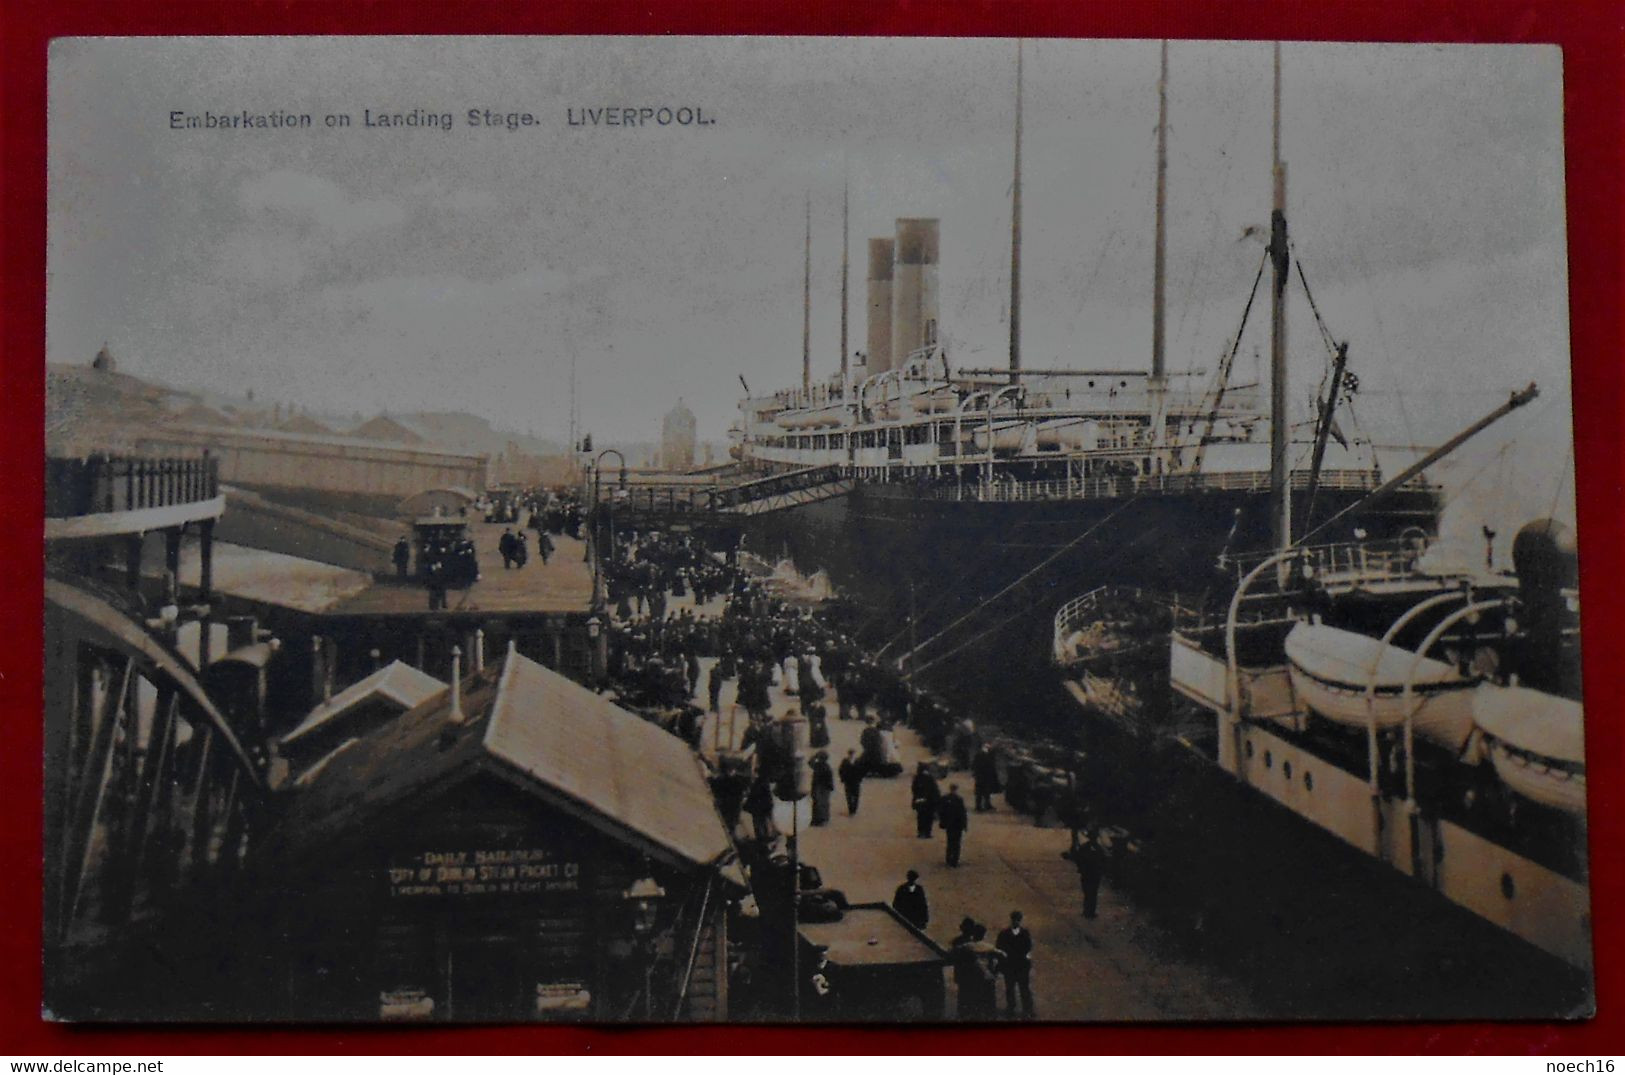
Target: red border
[[1592, 34]]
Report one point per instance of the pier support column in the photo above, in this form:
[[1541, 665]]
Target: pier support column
[[205, 586], [132, 562], [172, 559]]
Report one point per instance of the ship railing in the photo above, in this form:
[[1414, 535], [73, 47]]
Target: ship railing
[[101, 484], [1085, 610], [1347, 561], [1117, 487], [676, 498]]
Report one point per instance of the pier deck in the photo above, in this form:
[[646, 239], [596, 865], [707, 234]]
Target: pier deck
[[564, 584], [1119, 966]]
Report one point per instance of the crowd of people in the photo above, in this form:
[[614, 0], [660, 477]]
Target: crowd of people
[[446, 559], [548, 511], [673, 665]]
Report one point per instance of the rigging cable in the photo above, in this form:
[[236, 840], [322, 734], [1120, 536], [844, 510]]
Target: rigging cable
[[1041, 565], [1222, 376], [939, 658]]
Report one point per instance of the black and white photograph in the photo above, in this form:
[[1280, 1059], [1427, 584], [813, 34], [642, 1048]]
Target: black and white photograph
[[809, 530]]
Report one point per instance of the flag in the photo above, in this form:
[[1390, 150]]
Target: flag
[[1338, 434]]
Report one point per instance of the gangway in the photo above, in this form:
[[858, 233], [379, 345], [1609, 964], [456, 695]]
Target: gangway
[[719, 503]]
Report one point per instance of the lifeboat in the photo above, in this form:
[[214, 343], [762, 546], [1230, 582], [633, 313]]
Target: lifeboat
[[1330, 669], [800, 419], [1006, 437], [940, 401], [897, 406], [1536, 741], [1069, 433]]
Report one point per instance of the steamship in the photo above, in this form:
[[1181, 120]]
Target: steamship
[[1423, 711], [1041, 482]]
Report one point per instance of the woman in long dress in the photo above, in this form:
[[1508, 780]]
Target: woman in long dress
[[823, 786]]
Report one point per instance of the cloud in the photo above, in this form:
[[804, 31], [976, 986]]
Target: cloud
[[310, 199], [469, 200], [260, 258]]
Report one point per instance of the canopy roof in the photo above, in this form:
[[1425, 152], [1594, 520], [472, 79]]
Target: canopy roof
[[571, 748]]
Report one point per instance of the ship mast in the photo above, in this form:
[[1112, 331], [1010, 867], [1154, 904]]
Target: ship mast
[[1015, 240], [806, 307], [845, 231], [575, 412], [1158, 384], [1280, 431]]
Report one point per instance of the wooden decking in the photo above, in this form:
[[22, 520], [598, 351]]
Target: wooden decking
[[563, 585]]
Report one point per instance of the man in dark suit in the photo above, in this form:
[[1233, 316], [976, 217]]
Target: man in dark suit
[[926, 794], [851, 774], [909, 901], [953, 818], [985, 768], [1017, 945], [1090, 859]]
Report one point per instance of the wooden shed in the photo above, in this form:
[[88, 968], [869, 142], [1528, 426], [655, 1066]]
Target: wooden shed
[[522, 849]]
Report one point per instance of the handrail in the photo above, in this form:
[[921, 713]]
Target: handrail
[[1231, 660], [1067, 616], [711, 497], [1408, 697], [1388, 637], [102, 484]]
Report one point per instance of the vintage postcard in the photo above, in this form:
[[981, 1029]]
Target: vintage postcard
[[822, 530]]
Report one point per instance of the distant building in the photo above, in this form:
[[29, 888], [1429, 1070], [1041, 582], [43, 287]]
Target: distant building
[[385, 428], [304, 423], [677, 438]]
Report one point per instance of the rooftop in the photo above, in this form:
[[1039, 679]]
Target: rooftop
[[573, 749], [872, 935], [397, 681]]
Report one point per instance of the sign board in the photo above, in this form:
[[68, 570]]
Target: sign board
[[524, 871]]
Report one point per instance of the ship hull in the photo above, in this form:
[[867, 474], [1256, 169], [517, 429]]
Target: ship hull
[[974, 583]]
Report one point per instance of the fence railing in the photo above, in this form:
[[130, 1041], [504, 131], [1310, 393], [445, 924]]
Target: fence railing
[[686, 497], [1367, 561], [111, 483], [1246, 481], [683, 498], [1086, 609]]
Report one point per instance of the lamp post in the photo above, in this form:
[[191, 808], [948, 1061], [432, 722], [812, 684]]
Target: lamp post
[[643, 898], [800, 787], [597, 476], [600, 648]]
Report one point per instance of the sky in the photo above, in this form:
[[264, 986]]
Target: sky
[[394, 269]]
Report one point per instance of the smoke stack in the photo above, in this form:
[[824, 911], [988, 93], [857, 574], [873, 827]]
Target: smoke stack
[[914, 289], [880, 298]]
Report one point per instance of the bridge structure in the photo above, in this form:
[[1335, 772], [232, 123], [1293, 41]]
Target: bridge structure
[[723, 502], [154, 751]]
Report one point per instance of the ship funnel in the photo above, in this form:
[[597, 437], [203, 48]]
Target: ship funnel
[[880, 299], [914, 289]]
